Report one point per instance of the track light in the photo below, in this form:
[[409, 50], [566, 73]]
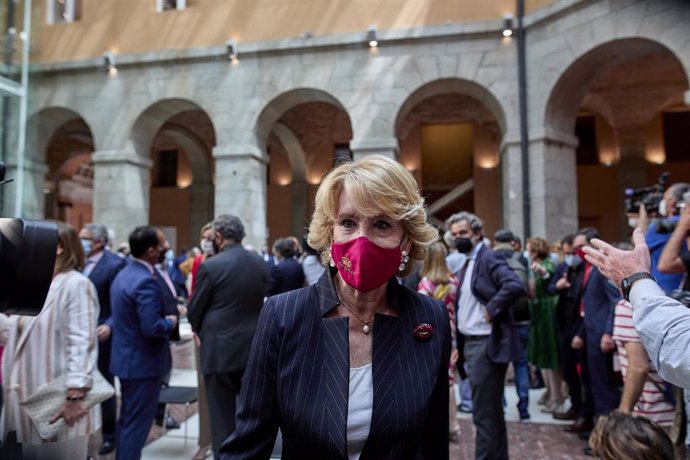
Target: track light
[[508, 25], [371, 37], [231, 46], [109, 62]]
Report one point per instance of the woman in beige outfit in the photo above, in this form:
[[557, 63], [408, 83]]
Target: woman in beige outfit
[[60, 340]]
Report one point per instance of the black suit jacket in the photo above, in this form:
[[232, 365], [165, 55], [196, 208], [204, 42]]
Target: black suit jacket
[[102, 277], [599, 297], [228, 295], [287, 275], [298, 379], [497, 287]]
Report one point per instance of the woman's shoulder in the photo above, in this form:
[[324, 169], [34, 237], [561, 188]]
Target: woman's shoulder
[[294, 304]]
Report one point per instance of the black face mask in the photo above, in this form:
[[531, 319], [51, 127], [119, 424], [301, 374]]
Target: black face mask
[[463, 245], [161, 256], [216, 248]]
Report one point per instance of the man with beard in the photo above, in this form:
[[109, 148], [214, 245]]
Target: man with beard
[[488, 290], [140, 353]]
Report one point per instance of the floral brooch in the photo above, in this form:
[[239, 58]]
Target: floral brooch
[[423, 331]]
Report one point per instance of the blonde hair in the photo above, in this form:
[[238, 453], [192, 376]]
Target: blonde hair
[[435, 267], [375, 184]]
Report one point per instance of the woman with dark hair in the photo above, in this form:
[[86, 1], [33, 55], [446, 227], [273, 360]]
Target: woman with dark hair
[[620, 436], [60, 341]]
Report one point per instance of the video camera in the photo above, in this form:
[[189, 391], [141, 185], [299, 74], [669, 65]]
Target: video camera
[[650, 196], [27, 258]]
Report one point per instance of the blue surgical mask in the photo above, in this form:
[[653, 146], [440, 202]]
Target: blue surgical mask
[[169, 255], [86, 246], [572, 260], [555, 257]]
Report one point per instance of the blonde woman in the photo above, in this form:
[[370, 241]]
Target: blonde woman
[[355, 365], [61, 340], [438, 282]]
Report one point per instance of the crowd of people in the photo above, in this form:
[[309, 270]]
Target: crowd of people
[[351, 341]]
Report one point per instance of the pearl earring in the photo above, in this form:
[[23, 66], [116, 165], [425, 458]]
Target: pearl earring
[[404, 258]]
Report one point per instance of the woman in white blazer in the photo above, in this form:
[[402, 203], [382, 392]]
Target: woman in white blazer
[[60, 340]]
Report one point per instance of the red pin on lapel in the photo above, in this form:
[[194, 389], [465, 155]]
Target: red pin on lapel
[[423, 331]]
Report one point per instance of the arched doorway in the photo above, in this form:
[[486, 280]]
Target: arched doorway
[[306, 132], [178, 136], [59, 153], [623, 101], [449, 132]]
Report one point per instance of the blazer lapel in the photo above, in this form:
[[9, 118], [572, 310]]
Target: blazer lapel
[[336, 372]]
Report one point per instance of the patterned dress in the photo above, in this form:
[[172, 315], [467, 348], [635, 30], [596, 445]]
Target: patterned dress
[[446, 293]]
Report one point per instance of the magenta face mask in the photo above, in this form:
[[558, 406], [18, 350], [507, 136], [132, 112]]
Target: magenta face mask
[[363, 264]]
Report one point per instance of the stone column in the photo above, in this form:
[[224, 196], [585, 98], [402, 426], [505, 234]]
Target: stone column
[[241, 188], [33, 200], [121, 190], [511, 179], [201, 210], [363, 147]]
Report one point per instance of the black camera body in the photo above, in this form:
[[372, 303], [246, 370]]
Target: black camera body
[[650, 196], [27, 258]]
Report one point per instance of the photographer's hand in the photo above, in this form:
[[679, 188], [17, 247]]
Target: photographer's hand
[[616, 264], [670, 261]]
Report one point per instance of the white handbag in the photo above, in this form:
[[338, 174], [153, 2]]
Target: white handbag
[[49, 397]]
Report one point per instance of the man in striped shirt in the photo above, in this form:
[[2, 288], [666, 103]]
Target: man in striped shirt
[[643, 392]]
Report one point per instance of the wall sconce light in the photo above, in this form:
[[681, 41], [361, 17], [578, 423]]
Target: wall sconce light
[[508, 25], [109, 62], [231, 46], [371, 37]]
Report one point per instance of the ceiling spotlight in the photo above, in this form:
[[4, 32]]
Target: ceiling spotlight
[[508, 25], [371, 37], [109, 62], [231, 46]]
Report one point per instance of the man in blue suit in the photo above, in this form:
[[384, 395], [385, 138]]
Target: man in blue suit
[[287, 274], [488, 290], [101, 267], [140, 354], [596, 299]]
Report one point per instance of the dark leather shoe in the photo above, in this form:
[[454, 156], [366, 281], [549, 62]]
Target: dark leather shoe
[[580, 426], [567, 415], [170, 423], [106, 448], [584, 435]]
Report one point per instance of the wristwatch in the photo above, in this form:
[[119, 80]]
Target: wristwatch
[[627, 283]]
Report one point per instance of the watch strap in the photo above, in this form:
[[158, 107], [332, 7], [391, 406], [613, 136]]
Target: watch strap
[[629, 281]]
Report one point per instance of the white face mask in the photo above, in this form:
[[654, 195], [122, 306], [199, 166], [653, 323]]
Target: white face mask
[[633, 222], [662, 208], [207, 246]]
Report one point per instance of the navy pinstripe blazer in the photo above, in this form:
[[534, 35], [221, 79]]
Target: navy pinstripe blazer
[[298, 380]]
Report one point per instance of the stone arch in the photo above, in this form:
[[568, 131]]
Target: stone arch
[[578, 76], [275, 109], [449, 132], [452, 86], [42, 125], [301, 129], [151, 120]]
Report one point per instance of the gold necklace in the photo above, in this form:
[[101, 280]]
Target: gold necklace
[[366, 329]]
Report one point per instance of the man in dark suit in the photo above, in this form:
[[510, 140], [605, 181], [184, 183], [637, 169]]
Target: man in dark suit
[[566, 282], [595, 298], [488, 290], [140, 352], [287, 274], [224, 311], [101, 266]]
